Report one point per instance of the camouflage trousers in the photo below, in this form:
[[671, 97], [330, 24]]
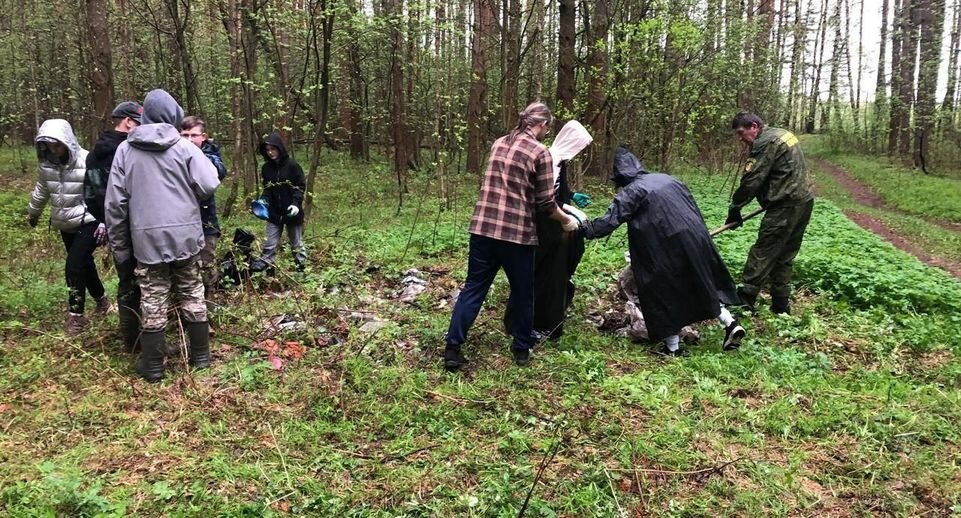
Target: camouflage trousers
[[208, 263], [178, 280], [778, 243]]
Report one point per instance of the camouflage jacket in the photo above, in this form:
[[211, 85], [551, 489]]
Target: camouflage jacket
[[775, 172]]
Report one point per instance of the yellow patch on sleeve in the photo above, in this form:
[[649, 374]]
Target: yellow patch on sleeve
[[789, 140], [750, 165]]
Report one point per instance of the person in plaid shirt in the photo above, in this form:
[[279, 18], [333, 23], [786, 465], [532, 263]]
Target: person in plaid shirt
[[518, 183]]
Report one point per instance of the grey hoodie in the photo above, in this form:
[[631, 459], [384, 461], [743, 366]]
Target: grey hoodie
[[60, 183], [156, 180]]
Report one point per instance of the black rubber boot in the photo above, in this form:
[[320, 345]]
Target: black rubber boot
[[129, 328], [150, 365], [199, 335], [780, 305]]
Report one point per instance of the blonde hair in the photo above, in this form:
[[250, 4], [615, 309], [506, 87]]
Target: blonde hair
[[535, 113]]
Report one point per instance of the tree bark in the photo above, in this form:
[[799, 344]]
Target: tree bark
[[931, 24], [909, 55], [947, 105], [595, 112], [816, 87], [477, 101], [566, 61], [101, 71]]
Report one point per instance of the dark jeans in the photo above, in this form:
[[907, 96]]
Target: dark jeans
[[485, 258], [80, 270]]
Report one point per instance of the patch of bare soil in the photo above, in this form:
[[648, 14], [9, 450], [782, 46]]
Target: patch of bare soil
[[863, 195], [878, 227]]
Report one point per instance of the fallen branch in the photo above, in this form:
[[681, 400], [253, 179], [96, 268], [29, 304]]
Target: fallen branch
[[712, 469]]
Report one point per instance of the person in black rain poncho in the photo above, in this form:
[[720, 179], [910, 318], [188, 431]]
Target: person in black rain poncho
[[680, 276], [558, 252]]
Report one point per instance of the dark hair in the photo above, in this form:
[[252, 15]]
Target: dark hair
[[746, 120], [535, 113], [191, 122]]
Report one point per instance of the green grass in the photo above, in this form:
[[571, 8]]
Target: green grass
[[909, 190], [850, 406], [931, 237]]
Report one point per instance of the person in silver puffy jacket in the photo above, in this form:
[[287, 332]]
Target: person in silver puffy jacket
[[62, 164]]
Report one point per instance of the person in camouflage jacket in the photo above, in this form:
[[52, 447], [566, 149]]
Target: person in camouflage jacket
[[775, 175]]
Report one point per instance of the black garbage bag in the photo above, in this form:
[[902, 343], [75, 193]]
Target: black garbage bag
[[235, 266]]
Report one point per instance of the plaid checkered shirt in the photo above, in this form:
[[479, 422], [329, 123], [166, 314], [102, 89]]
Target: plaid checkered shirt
[[519, 182]]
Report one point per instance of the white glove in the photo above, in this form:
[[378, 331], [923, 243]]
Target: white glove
[[292, 211], [571, 225], [577, 213]]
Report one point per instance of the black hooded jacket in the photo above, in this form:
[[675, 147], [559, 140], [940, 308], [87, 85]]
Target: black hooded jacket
[[284, 183], [99, 161], [680, 276]]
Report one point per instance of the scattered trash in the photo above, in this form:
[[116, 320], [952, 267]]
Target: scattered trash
[[413, 284], [277, 353], [373, 326], [630, 323], [282, 324]]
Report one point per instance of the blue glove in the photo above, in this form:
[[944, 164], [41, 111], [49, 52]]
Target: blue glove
[[581, 200]]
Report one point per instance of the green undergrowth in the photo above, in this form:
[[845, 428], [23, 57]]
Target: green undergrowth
[[848, 406], [932, 238]]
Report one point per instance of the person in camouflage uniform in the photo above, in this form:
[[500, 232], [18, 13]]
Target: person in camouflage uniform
[[775, 174], [152, 206]]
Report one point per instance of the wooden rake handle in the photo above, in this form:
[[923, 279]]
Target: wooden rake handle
[[728, 226]]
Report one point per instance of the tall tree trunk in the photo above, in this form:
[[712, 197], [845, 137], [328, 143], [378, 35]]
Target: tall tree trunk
[[898, 34], [512, 63], [183, 53], [566, 60], [931, 24], [595, 112], [394, 9], [832, 104], [321, 94], [797, 64], [947, 105], [909, 58], [101, 71], [477, 102], [880, 95], [816, 87]]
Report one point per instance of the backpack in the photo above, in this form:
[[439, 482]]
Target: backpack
[[235, 268]]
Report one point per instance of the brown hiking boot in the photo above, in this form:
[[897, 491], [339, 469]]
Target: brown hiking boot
[[75, 324], [103, 306]]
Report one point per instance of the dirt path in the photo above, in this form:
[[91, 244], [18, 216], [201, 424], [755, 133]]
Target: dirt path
[[863, 195]]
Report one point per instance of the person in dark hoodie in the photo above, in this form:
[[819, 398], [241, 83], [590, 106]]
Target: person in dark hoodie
[[153, 217], [284, 187], [681, 279], [126, 117], [194, 129]]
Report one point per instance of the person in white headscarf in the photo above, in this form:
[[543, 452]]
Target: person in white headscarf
[[558, 252]]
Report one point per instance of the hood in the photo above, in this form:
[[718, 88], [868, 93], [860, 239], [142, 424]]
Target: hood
[[160, 120], [209, 147], [570, 141], [159, 107], [107, 144], [61, 131], [274, 140], [626, 167]]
